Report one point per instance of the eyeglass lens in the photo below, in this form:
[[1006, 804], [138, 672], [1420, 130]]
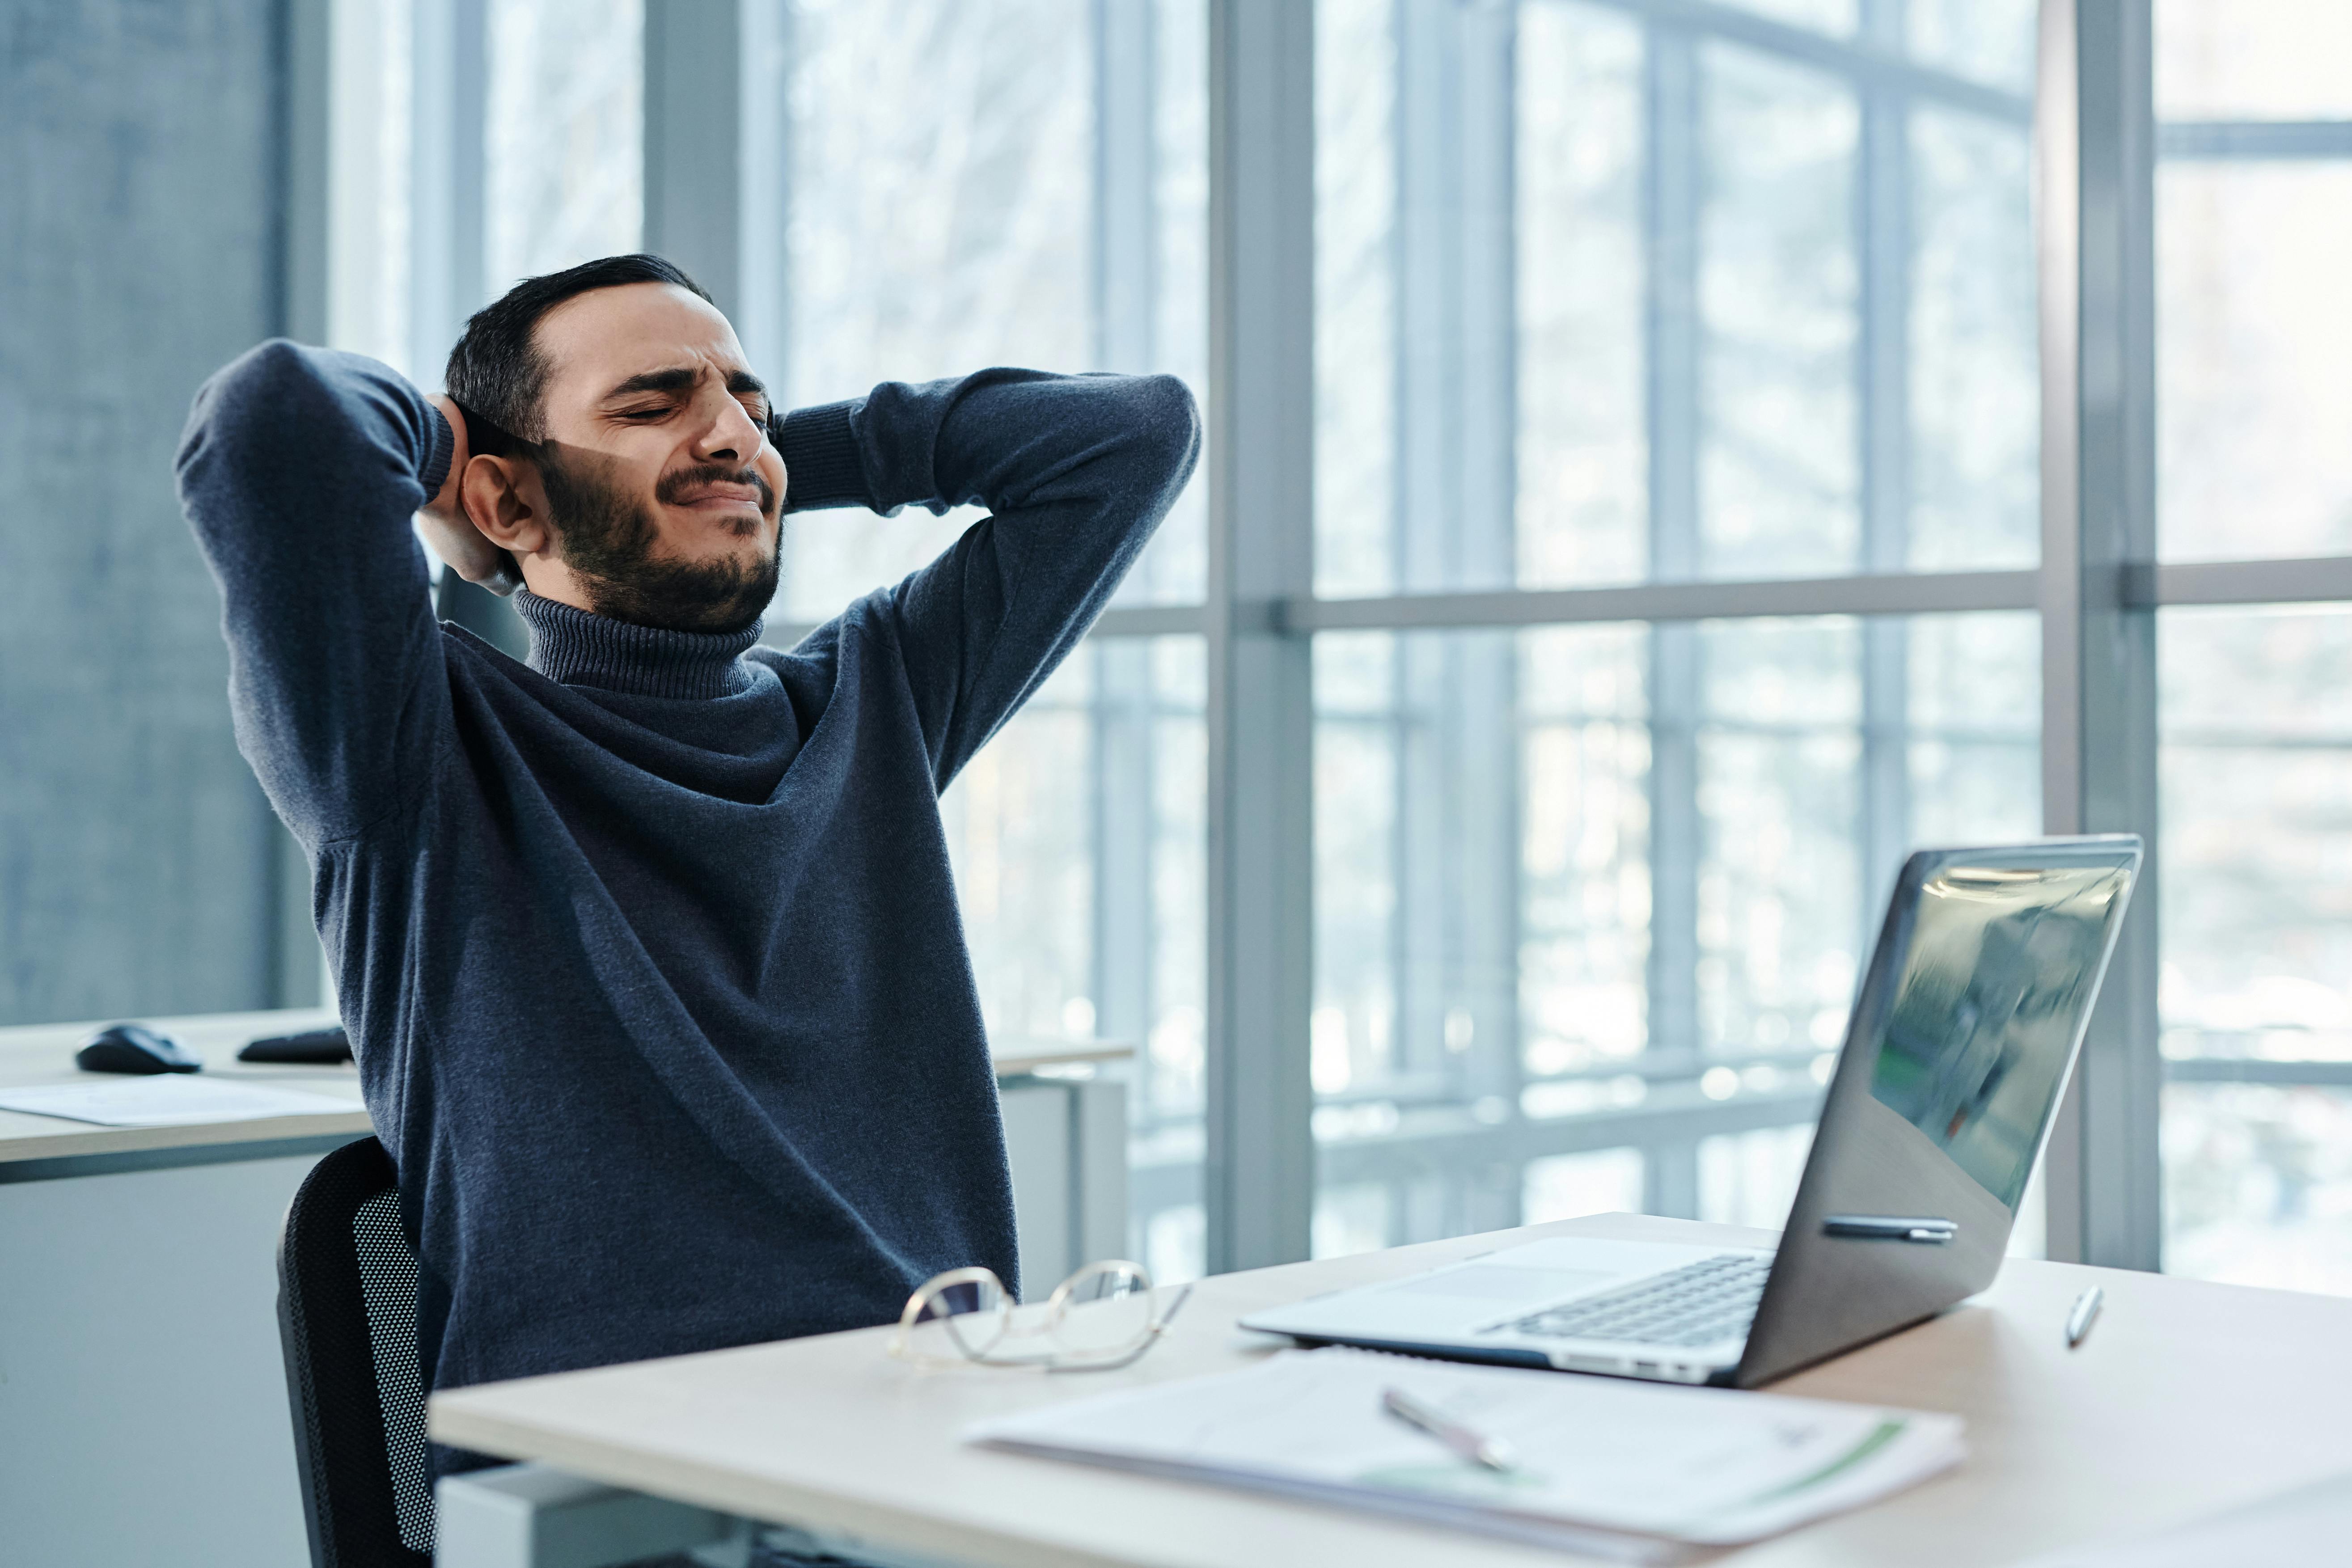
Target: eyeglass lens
[[973, 1313], [1106, 1307]]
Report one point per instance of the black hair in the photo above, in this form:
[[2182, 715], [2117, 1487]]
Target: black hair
[[497, 373]]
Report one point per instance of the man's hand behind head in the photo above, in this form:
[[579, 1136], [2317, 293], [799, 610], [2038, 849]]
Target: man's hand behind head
[[452, 534]]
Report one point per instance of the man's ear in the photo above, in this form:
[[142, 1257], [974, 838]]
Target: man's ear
[[504, 501]]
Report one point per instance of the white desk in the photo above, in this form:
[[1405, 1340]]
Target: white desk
[[2186, 1397], [42, 1148], [143, 1396]]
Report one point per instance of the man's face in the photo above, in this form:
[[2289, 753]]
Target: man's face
[[661, 488]]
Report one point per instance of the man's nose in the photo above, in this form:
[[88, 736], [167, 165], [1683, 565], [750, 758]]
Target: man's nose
[[732, 436]]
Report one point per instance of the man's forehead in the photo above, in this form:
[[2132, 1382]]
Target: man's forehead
[[594, 340]]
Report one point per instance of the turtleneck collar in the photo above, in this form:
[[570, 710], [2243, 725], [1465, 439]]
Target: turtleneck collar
[[583, 650]]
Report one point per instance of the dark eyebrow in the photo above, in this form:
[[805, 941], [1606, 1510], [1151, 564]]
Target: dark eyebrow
[[681, 378]]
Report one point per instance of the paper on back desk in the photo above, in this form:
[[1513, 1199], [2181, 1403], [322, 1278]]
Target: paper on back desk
[[1707, 1466], [173, 1099]]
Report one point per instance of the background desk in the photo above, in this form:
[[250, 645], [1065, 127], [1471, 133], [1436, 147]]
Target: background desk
[[2186, 1397], [142, 1399]]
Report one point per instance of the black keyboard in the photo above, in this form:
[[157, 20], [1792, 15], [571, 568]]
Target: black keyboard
[[1697, 1304]]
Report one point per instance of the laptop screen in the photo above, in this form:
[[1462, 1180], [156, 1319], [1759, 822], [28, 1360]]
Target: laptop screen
[[1997, 974]]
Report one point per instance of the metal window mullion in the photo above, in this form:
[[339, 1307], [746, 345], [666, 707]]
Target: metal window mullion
[[448, 176], [2096, 154], [1899, 594], [763, 313], [1488, 759], [2311, 580], [1126, 213], [1883, 244], [694, 141], [1425, 149], [1124, 729], [1258, 1179], [1456, 835], [1672, 215], [293, 961], [1121, 864], [2254, 141]]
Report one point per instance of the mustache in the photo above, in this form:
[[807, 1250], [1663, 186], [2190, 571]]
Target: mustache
[[672, 487]]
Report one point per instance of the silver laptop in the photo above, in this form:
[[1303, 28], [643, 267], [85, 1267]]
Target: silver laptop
[[1960, 1044]]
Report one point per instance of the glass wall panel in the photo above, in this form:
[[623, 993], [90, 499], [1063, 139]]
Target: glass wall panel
[[2258, 1184], [1608, 294], [1563, 1186], [1780, 887], [1974, 765], [994, 213], [2257, 773], [2256, 715], [1990, 40], [1583, 484], [1975, 370], [1777, 278], [1823, 15], [2255, 329], [371, 107], [562, 164], [564, 135], [1077, 837], [2253, 59], [1355, 297], [1591, 900]]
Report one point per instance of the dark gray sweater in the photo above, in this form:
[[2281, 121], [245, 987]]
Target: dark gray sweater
[[648, 947]]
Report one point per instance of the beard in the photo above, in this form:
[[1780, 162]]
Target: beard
[[606, 537]]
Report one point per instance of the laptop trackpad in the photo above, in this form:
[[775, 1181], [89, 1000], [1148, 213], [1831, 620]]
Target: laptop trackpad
[[1495, 1282]]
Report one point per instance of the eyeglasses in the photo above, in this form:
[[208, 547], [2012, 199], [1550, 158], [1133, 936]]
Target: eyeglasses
[[1101, 1317]]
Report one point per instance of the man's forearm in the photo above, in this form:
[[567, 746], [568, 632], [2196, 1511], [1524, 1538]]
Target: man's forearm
[[299, 472], [1077, 472]]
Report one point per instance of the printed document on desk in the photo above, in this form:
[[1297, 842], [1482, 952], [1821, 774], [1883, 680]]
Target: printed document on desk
[[1631, 1469], [173, 1099]]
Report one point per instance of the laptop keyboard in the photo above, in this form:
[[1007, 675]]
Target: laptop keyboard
[[1697, 1304]]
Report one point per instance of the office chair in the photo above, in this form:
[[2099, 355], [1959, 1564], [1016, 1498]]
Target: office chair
[[347, 1319]]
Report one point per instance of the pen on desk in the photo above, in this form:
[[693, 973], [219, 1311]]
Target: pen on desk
[[2086, 1313], [1477, 1448]]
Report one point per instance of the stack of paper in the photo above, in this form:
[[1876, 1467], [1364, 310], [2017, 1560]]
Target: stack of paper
[[1627, 1469]]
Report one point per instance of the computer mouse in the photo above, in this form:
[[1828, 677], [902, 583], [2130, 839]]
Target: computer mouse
[[135, 1048]]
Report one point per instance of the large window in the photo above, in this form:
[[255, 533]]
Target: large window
[[1652, 488]]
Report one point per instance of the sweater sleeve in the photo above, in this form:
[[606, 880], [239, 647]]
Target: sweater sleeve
[[299, 471], [1077, 472]]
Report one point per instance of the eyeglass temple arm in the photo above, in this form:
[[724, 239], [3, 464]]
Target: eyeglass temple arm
[[1184, 1294]]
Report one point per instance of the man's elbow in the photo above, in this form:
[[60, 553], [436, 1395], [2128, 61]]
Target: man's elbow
[[1168, 416], [276, 371], [270, 387]]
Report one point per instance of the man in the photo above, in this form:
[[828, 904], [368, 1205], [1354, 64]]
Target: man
[[648, 947]]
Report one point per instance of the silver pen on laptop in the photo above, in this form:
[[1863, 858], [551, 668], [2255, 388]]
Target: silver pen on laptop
[[2086, 1313], [1475, 1447]]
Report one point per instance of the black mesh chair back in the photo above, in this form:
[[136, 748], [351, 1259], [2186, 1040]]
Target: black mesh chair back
[[347, 1316]]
